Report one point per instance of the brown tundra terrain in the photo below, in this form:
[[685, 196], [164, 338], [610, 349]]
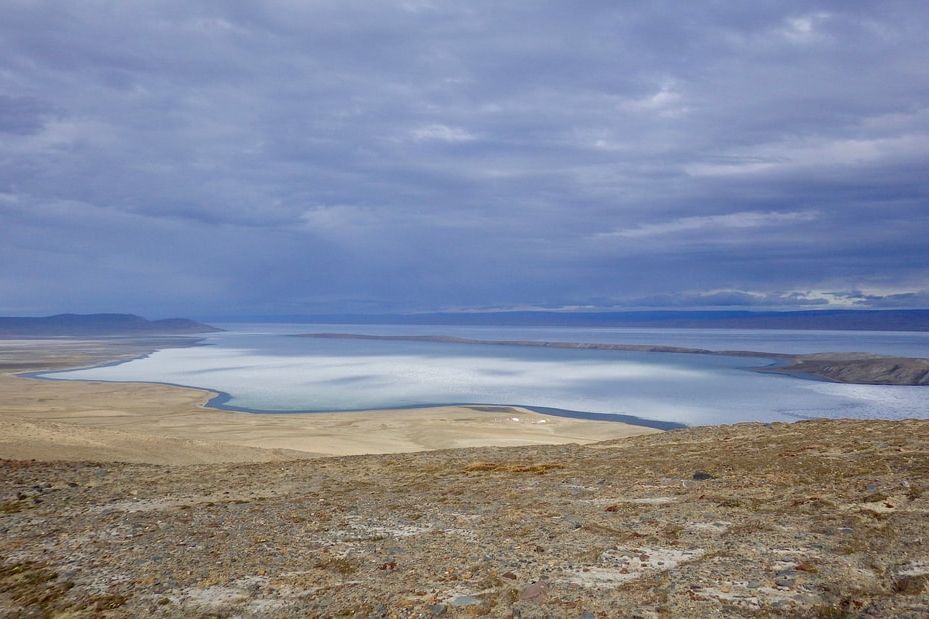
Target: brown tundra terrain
[[815, 519]]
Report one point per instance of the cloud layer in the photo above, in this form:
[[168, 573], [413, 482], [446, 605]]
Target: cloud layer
[[287, 157]]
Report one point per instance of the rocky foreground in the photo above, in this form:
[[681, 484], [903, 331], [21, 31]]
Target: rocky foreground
[[815, 519]]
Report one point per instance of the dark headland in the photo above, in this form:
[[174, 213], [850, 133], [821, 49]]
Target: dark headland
[[97, 324]]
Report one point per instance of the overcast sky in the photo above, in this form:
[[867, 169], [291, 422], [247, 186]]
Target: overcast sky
[[230, 158]]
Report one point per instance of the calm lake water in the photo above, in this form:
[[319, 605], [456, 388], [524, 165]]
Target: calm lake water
[[264, 368]]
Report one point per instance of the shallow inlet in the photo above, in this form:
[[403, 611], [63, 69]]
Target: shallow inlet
[[272, 372]]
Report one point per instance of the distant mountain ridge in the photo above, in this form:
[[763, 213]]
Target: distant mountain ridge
[[835, 319], [98, 324]]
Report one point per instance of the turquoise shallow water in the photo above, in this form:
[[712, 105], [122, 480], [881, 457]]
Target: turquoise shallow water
[[262, 367]]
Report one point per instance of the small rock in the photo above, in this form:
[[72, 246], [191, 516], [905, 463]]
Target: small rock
[[784, 582], [534, 592], [437, 610], [702, 476], [574, 521], [509, 575], [464, 600], [587, 615]]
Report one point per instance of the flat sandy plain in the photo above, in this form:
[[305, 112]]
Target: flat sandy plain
[[163, 424]]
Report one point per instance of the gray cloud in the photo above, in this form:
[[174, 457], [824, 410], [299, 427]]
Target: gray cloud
[[173, 157]]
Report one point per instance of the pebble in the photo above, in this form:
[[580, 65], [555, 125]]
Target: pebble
[[464, 600], [785, 582], [702, 476], [534, 592]]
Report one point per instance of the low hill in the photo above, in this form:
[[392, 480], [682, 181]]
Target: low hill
[[97, 324]]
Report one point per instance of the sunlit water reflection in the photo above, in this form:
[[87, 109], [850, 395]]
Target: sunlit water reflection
[[268, 370]]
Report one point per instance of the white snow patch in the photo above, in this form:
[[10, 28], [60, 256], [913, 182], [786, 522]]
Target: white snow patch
[[915, 568], [625, 564], [720, 526]]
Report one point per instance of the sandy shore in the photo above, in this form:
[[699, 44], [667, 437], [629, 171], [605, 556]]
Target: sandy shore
[[140, 422]]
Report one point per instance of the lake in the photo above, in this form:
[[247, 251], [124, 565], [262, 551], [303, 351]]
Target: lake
[[263, 368]]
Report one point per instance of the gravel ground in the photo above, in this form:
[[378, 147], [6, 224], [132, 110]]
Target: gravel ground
[[813, 519]]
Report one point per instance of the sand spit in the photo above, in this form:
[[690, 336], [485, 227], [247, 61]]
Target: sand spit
[[811, 519], [855, 368], [162, 424]]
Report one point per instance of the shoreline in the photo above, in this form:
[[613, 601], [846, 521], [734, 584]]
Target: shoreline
[[217, 401], [54, 419]]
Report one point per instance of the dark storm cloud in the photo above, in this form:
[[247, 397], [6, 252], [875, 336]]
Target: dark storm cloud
[[369, 156]]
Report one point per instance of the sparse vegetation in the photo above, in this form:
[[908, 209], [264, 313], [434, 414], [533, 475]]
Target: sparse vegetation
[[817, 519]]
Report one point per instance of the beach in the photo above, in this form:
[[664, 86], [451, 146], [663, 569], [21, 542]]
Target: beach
[[164, 424]]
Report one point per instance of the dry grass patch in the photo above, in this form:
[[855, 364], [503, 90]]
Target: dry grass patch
[[511, 467], [340, 565]]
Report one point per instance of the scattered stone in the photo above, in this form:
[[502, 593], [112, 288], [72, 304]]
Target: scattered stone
[[413, 532], [534, 592], [702, 476], [785, 582], [464, 600], [574, 521]]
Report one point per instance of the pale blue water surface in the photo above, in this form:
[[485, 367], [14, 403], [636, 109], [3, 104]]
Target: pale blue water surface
[[263, 368]]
